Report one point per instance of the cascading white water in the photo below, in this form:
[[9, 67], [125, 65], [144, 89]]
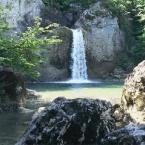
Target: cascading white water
[[79, 67]]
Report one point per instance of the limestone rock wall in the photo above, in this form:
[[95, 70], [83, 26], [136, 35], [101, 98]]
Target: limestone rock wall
[[103, 39], [20, 13], [57, 64]]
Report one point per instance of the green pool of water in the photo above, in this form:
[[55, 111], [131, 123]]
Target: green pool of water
[[13, 125]]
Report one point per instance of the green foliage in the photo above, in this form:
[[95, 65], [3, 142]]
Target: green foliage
[[137, 15], [65, 4], [22, 52]]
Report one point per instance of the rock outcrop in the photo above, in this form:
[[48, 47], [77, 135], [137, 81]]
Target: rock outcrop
[[12, 90], [57, 64], [133, 103], [103, 39], [133, 98], [70, 122]]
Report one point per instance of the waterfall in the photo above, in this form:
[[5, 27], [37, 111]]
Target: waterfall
[[79, 67]]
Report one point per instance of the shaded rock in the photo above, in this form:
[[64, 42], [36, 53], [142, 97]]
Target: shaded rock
[[120, 116], [133, 98], [70, 122], [131, 134], [57, 63], [68, 17], [12, 89], [103, 39], [118, 74]]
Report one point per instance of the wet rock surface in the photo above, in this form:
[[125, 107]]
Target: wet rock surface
[[132, 134], [70, 122], [133, 98]]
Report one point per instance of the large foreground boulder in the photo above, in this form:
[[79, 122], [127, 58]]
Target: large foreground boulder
[[131, 134], [133, 98], [70, 122], [103, 39]]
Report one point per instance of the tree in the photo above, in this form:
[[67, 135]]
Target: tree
[[22, 52], [137, 14]]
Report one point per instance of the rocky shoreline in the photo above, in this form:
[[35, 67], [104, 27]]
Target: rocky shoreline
[[87, 121]]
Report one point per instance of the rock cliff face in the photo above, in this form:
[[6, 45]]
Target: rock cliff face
[[133, 98], [20, 13], [57, 64], [103, 39]]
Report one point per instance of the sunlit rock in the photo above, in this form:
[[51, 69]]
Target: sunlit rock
[[133, 98], [103, 39]]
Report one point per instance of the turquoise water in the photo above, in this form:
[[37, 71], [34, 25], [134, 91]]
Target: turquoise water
[[13, 125]]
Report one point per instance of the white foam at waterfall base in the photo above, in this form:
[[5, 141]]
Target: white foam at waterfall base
[[79, 67]]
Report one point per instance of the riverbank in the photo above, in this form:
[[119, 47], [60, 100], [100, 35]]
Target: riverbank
[[13, 125]]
